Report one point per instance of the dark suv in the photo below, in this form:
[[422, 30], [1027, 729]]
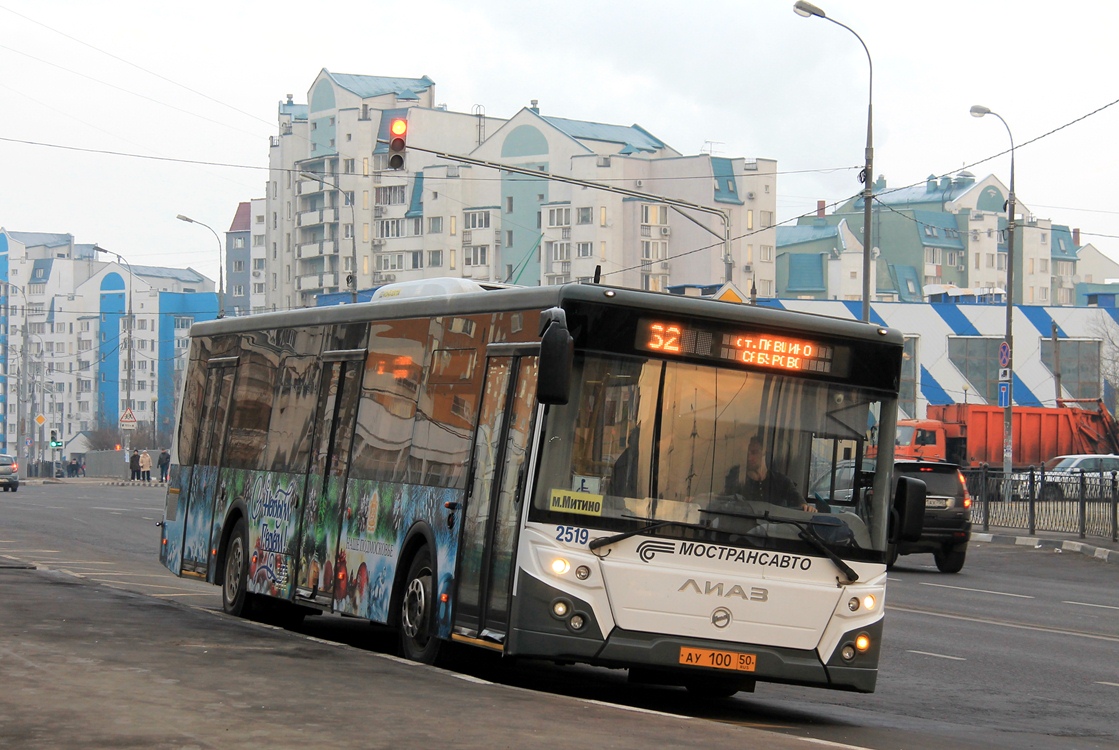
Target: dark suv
[[947, 514]]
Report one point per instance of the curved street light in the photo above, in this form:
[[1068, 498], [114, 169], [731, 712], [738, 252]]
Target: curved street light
[[808, 10], [352, 280], [221, 263], [979, 110]]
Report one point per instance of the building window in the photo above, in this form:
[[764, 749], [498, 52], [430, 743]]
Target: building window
[[654, 214], [258, 287], [584, 249], [475, 255], [238, 290], [417, 259], [392, 195], [766, 252], [561, 251], [435, 259], [389, 228], [475, 220], [435, 225], [584, 215], [559, 217]]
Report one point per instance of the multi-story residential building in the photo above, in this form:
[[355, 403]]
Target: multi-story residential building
[[334, 209], [85, 336], [245, 259], [949, 232]]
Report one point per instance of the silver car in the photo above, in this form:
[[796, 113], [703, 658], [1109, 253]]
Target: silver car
[[9, 473], [1062, 477]]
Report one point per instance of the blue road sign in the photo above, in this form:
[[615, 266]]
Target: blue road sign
[[1004, 395]]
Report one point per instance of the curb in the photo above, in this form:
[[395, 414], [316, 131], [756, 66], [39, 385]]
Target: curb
[[1101, 553]]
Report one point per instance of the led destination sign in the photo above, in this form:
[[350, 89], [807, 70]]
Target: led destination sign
[[756, 348]]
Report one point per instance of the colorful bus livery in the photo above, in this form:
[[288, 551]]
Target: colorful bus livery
[[564, 473]]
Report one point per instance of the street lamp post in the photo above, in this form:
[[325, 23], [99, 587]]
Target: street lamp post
[[221, 263], [130, 324], [808, 10], [352, 280], [1008, 415]]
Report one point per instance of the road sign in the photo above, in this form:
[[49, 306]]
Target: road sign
[[128, 420], [40, 420], [1004, 395], [1004, 374], [1004, 354]]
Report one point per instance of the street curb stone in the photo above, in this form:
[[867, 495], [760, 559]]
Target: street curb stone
[[1102, 553]]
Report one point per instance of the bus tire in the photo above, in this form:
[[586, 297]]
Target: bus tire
[[417, 610], [891, 556], [235, 598]]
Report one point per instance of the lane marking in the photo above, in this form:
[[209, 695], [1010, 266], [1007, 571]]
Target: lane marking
[[1109, 684], [938, 656], [200, 593], [1003, 623], [1087, 604], [978, 591]]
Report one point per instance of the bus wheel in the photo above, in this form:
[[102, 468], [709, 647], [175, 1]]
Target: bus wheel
[[417, 611], [234, 598]]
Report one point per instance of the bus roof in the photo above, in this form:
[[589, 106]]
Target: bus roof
[[462, 299]]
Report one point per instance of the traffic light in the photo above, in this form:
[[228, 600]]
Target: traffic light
[[398, 136], [55, 442]]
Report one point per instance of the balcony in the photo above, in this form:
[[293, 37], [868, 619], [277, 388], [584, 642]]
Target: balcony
[[317, 249], [316, 282], [321, 216]]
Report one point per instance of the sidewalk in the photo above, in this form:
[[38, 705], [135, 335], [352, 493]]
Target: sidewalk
[[1098, 547]]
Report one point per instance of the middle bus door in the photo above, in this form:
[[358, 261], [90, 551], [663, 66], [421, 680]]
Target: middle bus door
[[326, 482], [489, 530]]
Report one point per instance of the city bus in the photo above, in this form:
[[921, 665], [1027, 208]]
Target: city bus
[[554, 473]]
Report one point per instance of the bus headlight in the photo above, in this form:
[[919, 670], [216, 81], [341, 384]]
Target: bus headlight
[[560, 566]]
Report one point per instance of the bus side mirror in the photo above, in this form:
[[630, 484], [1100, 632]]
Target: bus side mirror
[[908, 516], [557, 354]]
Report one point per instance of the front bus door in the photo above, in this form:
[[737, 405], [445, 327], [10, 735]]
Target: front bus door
[[489, 530], [202, 494], [326, 482]]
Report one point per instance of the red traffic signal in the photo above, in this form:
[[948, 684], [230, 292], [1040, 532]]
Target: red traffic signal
[[398, 134]]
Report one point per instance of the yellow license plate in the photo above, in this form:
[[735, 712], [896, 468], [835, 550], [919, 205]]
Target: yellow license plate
[[706, 657]]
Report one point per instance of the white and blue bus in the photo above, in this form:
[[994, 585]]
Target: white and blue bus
[[565, 473]]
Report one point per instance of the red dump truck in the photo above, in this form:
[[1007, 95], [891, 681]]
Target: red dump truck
[[972, 434]]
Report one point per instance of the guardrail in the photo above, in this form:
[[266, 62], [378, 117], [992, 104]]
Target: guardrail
[[1076, 502]]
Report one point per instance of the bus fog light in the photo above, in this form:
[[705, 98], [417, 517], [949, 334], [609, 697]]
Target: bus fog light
[[577, 622], [862, 643], [853, 604], [560, 566], [848, 652], [560, 608], [869, 601], [582, 572]]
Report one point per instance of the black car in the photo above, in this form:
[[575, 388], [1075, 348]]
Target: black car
[[947, 515]]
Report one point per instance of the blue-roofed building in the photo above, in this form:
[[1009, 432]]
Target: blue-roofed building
[[334, 211], [65, 335], [951, 232]]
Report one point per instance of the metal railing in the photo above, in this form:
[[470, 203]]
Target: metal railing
[[1075, 502]]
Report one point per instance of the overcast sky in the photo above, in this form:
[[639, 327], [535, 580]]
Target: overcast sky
[[200, 83]]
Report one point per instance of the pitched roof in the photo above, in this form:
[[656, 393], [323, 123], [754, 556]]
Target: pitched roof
[[633, 138], [241, 220], [370, 86]]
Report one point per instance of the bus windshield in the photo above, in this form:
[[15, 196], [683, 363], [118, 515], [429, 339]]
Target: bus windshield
[[646, 440]]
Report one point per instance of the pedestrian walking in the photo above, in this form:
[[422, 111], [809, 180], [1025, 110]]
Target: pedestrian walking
[[145, 467], [164, 464], [134, 465]]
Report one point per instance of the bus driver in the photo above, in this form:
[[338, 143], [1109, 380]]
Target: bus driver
[[761, 484]]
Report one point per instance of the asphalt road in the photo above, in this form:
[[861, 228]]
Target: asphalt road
[[1019, 650]]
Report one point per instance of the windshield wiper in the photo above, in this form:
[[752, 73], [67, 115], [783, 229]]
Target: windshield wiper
[[604, 541], [807, 533]]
